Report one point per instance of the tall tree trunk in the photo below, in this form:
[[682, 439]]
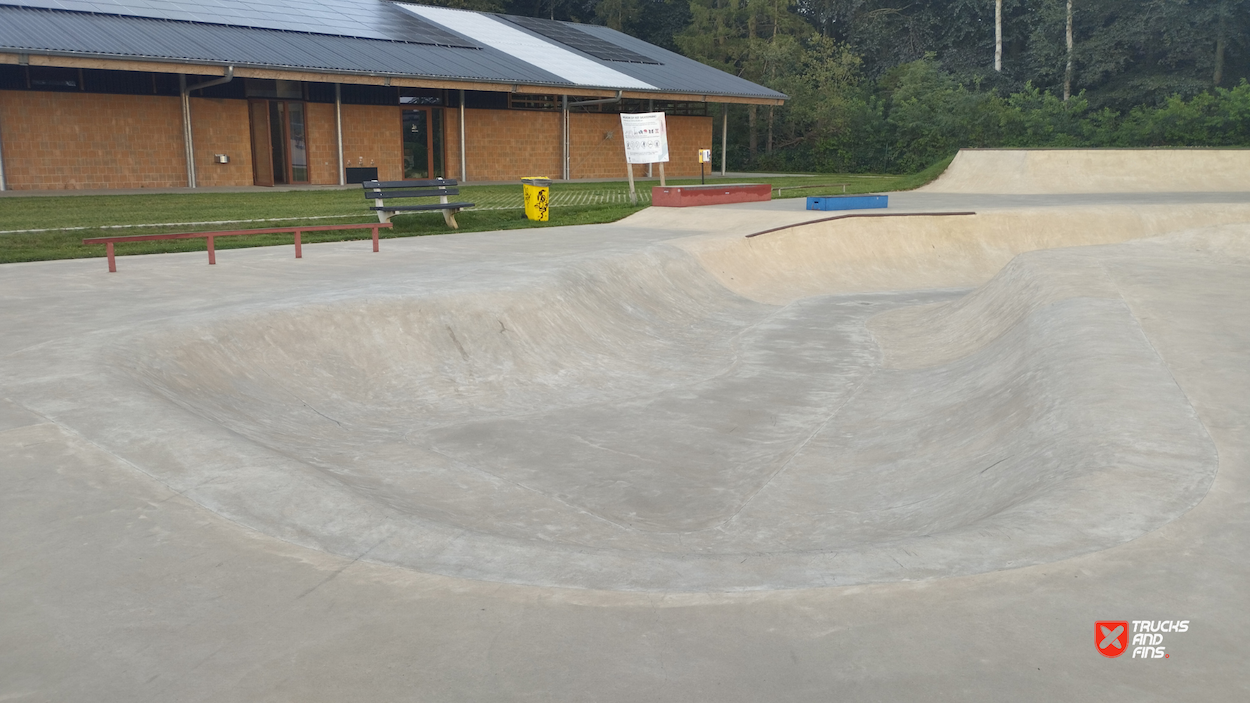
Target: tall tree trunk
[[998, 35], [1219, 60], [772, 70], [753, 137], [1067, 74]]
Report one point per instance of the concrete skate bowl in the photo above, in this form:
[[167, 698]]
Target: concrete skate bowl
[[649, 421], [1084, 171]]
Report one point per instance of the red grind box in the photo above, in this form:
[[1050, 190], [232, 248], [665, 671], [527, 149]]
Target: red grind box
[[719, 194]]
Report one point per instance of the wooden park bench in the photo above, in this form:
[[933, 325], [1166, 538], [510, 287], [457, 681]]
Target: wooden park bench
[[108, 242], [381, 191]]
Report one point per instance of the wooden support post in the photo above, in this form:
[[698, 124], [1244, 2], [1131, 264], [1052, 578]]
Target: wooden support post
[[449, 216], [375, 239], [564, 137], [212, 251], [338, 130], [662, 183], [108, 249], [464, 159], [633, 196], [724, 136], [299, 252]]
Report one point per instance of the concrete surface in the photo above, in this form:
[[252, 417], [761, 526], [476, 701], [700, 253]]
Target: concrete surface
[[867, 459]]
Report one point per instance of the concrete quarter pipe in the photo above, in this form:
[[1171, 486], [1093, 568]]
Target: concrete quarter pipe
[[836, 419]]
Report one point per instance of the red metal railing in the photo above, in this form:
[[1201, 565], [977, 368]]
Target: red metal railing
[[211, 236]]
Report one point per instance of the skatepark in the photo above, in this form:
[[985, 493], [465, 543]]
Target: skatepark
[[740, 452]]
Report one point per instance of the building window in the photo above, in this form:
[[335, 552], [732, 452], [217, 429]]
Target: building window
[[522, 101], [46, 78], [525, 101], [668, 107], [264, 88], [420, 96]]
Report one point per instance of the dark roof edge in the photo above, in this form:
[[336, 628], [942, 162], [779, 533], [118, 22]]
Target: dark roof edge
[[572, 87]]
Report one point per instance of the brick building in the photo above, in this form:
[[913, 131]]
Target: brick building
[[168, 93]]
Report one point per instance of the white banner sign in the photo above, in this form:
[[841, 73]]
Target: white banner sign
[[646, 138]]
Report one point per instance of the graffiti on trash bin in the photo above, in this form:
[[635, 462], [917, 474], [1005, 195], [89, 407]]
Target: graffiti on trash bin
[[537, 198], [539, 203]]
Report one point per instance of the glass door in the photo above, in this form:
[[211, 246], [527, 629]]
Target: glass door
[[418, 144], [297, 142], [279, 142]]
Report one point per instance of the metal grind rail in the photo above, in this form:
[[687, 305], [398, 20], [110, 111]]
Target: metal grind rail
[[108, 242], [854, 215]]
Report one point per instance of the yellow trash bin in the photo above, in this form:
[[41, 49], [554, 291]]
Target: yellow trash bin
[[537, 197]]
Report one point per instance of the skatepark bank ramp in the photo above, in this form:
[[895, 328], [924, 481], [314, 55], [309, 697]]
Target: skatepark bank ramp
[[1083, 171]]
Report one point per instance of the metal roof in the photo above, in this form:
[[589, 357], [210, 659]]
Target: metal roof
[[352, 18], [489, 30], [569, 34], [372, 37], [676, 73]]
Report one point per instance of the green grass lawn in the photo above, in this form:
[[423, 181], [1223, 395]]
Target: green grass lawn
[[67, 220]]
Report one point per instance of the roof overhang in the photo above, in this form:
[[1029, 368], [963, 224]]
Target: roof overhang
[[65, 60]]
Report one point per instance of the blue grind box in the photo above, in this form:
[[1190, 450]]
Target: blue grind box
[[848, 202]]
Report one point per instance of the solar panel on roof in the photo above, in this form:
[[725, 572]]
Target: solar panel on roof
[[345, 18], [35, 29], [570, 35], [420, 32], [500, 35]]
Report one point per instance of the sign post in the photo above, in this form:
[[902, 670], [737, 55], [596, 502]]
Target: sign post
[[705, 156], [646, 141]]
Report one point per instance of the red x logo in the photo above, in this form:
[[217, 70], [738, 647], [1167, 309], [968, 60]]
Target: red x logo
[[1111, 637]]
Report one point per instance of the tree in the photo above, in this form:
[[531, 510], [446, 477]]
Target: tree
[[998, 35], [618, 14], [659, 21], [1067, 74], [737, 36]]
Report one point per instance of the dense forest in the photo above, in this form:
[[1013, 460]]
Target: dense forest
[[894, 85]]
